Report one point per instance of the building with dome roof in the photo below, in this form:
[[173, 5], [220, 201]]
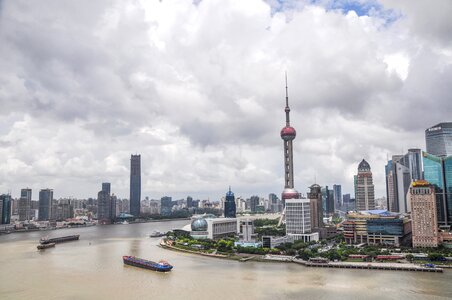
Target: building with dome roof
[[365, 194], [211, 227]]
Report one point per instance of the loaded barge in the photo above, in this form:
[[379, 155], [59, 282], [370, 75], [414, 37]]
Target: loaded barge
[[45, 246], [61, 239], [161, 266]]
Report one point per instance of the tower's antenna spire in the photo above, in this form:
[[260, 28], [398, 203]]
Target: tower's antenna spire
[[287, 109]]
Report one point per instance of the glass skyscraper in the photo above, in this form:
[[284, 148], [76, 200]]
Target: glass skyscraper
[[229, 205], [438, 139], [438, 171], [5, 204], [135, 185], [45, 204]]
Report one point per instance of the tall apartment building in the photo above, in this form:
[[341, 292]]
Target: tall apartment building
[[5, 209], [45, 204], [25, 205], [135, 185], [423, 214], [337, 193], [315, 200], [365, 195]]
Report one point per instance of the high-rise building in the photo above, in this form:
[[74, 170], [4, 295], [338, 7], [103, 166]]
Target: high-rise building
[[25, 205], [438, 139], [106, 187], [275, 203], [288, 134], [189, 201], [166, 205], [365, 195], [327, 201], [438, 172], [5, 209], [254, 203], [315, 199], [229, 205], [135, 185], [298, 221], [45, 204], [104, 212], [337, 193], [423, 214]]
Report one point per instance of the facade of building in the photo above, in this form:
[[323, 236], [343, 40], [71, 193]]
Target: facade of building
[[189, 202], [337, 194], [166, 206], [135, 185], [327, 201], [221, 227], [229, 205], [45, 204], [105, 209], [423, 214], [254, 203], [438, 139], [246, 233], [315, 199], [5, 209], [365, 195], [25, 205], [298, 221], [376, 227], [438, 172]]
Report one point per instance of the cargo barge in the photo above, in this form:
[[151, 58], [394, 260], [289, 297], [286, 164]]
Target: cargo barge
[[59, 239], [161, 266], [45, 246]]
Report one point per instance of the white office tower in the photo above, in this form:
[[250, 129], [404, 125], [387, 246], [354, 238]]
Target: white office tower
[[298, 221]]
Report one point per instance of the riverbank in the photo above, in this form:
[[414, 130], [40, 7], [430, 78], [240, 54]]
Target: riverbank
[[287, 259]]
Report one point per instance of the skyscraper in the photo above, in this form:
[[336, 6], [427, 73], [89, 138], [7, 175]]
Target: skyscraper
[[104, 205], [438, 172], [25, 205], [365, 195], [189, 201], [327, 201], [229, 205], [135, 185], [166, 205], [438, 139], [45, 204], [106, 187], [337, 192], [254, 202], [423, 214], [5, 209], [298, 221], [315, 199], [288, 134]]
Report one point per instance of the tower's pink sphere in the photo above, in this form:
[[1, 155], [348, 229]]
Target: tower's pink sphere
[[288, 133]]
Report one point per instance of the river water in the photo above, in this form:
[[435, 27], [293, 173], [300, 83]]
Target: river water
[[92, 268]]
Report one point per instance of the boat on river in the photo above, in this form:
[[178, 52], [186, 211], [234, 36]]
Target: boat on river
[[161, 266], [45, 246], [157, 233], [61, 239]]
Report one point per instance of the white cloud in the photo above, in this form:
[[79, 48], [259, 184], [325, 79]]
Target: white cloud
[[198, 91]]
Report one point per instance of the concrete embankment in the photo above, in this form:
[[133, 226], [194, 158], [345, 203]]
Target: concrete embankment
[[370, 266]]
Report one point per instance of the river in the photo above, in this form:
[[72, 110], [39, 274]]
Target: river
[[92, 268]]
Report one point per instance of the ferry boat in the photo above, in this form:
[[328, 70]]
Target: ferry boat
[[45, 246], [61, 239], [161, 266], [157, 233]]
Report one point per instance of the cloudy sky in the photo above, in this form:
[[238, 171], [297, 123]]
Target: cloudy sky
[[197, 88]]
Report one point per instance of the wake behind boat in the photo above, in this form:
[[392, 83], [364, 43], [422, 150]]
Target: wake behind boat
[[161, 266]]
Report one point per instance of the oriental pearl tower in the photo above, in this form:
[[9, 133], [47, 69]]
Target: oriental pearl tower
[[288, 134]]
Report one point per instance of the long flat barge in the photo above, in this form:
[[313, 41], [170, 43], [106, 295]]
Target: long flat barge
[[45, 246], [161, 266], [61, 239]]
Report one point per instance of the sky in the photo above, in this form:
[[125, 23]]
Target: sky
[[197, 88]]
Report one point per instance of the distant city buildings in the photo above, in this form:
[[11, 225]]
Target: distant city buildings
[[106, 210], [365, 195], [135, 185], [45, 204], [423, 214], [438, 139], [327, 201], [229, 205], [254, 203]]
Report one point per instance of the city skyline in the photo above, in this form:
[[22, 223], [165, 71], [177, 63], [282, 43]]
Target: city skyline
[[366, 82]]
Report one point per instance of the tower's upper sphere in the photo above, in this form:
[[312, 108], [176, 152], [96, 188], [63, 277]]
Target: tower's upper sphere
[[289, 193], [288, 133]]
